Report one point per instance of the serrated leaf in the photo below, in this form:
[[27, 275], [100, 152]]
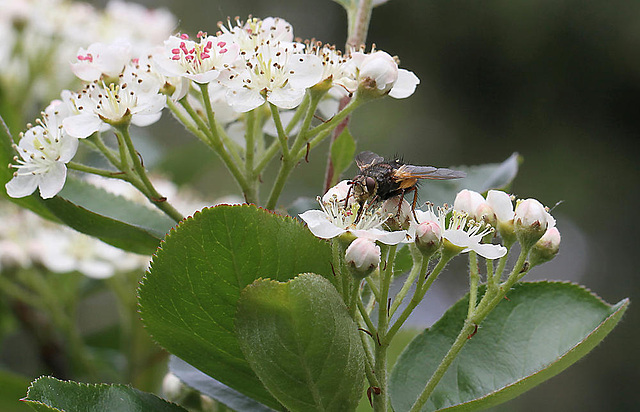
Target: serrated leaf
[[188, 299], [541, 330], [480, 178], [51, 394], [302, 343], [342, 151], [206, 385]]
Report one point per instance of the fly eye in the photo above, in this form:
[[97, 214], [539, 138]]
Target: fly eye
[[370, 182]]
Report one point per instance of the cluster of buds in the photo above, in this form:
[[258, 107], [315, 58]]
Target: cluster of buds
[[473, 224]]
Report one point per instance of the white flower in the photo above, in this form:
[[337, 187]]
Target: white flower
[[530, 213], [101, 105], [102, 59], [380, 70], [335, 219], [63, 250], [44, 150], [255, 32], [461, 233], [275, 74], [200, 61]]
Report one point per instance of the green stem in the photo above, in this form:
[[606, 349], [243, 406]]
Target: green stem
[[381, 401], [415, 271], [359, 24], [267, 156], [473, 282], [152, 194], [96, 140], [282, 136], [186, 122], [422, 287], [487, 304], [96, 171], [335, 120]]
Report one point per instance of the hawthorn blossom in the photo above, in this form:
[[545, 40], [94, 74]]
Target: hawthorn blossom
[[44, 150], [200, 61], [100, 60], [379, 71], [99, 105], [276, 73], [335, 219], [256, 32]]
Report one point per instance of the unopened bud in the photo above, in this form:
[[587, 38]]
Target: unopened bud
[[546, 248], [502, 205], [530, 222], [428, 237], [468, 201], [362, 256]]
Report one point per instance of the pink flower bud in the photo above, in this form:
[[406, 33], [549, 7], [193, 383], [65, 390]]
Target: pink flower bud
[[428, 237], [546, 248], [363, 255], [531, 221], [468, 201]]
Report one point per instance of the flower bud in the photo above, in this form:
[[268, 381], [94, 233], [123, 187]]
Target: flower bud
[[546, 248], [428, 237], [530, 222], [501, 204], [377, 73], [468, 201], [362, 256]]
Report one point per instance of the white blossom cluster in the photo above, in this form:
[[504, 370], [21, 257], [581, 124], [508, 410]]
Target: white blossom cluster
[[28, 240], [41, 38], [471, 225], [242, 67]]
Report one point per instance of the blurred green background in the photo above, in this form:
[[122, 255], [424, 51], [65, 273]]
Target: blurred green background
[[556, 81]]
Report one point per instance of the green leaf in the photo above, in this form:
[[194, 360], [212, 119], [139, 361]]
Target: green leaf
[[128, 237], [101, 202], [300, 340], [342, 151], [51, 394], [206, 385], [479, 178], [31, 202], [541, 330], [188, 299]]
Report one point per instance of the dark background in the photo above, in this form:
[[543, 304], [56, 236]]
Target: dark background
[[558, 82]]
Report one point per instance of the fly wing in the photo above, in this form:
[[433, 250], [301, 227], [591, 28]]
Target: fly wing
[[367, 159], [426, 172]]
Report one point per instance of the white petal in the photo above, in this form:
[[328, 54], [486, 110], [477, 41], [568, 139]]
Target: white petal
[[319, 224], [458, 237], [489, 251], [96, 269], [68, 148], [405, 85], [81, 125], [204, 78], [286, 98], [145, 119], [53, 181], [388, 238], [501, 204], [21, 185], [86, 72], [307, 70], [244, 100]]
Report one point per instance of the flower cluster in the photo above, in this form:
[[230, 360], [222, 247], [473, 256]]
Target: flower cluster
[[239, 69], [41, 37], [471, 225], [27, 240]]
